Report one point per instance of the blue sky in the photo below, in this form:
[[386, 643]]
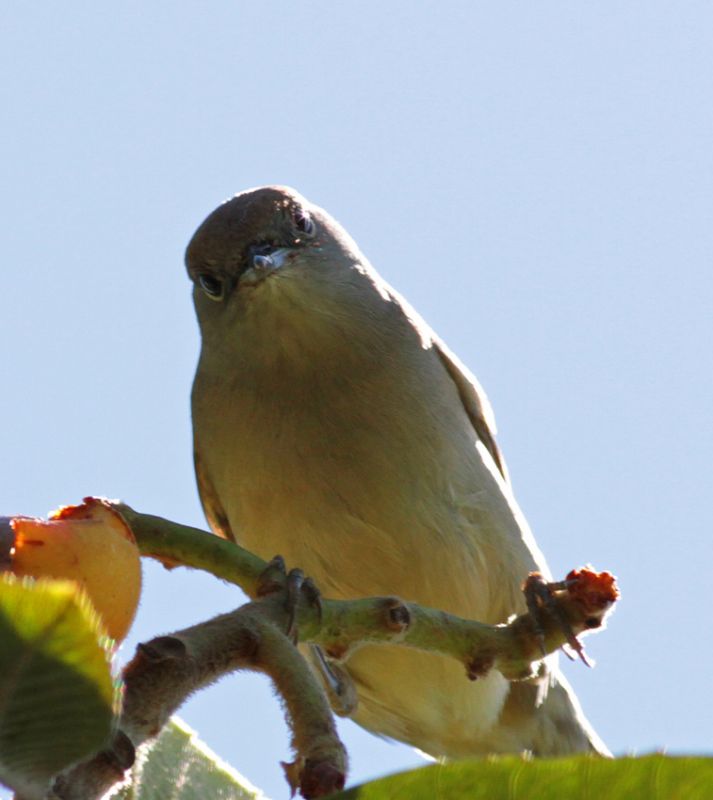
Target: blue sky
[[535, 178]]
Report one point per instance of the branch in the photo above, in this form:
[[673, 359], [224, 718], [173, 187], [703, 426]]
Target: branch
[[175, 545], [340, 626], [166, 670]]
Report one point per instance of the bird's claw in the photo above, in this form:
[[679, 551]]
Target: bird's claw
[[275, 577], [340, 688], [540, 599], [272, 578]]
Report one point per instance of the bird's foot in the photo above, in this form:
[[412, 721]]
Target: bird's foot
[[540, 599], [338, 683], [276, 578]]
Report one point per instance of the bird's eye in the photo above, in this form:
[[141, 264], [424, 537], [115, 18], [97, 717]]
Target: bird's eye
[[303, 222], [211, 285]]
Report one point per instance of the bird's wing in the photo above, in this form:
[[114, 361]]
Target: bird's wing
[[213, 510], [475, 401]]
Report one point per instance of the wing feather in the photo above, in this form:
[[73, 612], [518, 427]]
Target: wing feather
[[475, 403]]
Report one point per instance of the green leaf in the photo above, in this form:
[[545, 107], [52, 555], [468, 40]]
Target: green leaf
[[57, 695], [178, 766], [654, 777]]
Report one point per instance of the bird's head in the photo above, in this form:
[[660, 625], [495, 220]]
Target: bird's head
[[267, 265]]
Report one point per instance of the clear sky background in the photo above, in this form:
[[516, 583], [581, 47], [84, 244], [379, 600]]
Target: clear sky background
[[536, 178]]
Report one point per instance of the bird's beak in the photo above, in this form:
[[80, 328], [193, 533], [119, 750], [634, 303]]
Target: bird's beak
[[262, 264]]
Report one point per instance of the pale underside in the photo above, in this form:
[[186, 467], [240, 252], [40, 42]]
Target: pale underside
[[376, 481]]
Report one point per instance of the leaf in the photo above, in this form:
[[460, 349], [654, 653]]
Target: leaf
[[57, 695], [178, 766], [654, 777]]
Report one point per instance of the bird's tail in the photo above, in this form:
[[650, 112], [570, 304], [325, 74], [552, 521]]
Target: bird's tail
[[547, 721]]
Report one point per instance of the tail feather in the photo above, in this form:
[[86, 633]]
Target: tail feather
[[549, 723]]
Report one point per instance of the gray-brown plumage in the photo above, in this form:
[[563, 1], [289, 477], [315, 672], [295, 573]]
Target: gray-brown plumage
[[332, 426]]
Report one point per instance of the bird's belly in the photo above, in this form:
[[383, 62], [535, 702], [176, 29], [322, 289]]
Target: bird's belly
[[425, 700], [415, 697], [364, 516], [358, 530]]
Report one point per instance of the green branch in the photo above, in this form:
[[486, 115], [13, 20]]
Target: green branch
[[514, 648]]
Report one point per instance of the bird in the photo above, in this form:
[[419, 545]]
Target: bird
[[332, 426]]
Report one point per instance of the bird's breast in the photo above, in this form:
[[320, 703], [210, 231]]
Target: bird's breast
[[357, 476]]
